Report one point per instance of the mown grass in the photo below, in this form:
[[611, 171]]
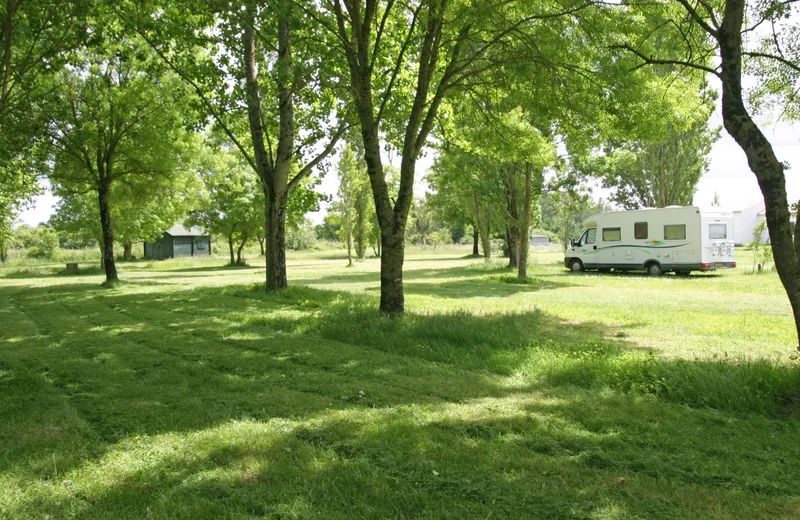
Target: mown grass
[[188, 392]]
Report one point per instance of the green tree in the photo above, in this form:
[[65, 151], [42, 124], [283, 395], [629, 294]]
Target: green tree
[[713, 38], [762, 252], [43, 243], [35, 36], [17, 189], [114, 118], [350, 180], [403, 60], [266, 77], [564, 210], [141, 209], [662, 173], [329, 229], [230, 205]]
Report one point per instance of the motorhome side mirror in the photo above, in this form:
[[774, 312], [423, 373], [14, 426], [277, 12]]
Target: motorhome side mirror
[[571, 242]]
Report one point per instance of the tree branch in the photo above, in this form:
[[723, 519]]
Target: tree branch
[[656, 61], [318, 159]]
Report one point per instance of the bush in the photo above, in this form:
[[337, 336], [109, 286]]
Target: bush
[[44, 244], [302, 237]]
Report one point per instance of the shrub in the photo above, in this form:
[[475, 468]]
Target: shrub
[[44, 244], [302, 237]]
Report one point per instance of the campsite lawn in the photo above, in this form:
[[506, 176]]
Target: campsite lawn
[[187, 392]]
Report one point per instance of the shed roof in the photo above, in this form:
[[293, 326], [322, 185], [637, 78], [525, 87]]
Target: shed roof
[[180, 231]]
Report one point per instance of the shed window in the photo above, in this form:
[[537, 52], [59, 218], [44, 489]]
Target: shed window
[[675, 232], [200, 244], [717, 231], [640, 230], [612, 234]]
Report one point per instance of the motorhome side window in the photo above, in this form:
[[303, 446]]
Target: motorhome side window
[[675, 232], [717, 231], [612, 234], [640, 230]]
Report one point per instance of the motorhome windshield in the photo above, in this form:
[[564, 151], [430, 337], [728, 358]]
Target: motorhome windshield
[[588, 237]]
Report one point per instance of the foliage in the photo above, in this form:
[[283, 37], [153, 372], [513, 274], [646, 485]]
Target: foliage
[[264, 74], [36, 37], [116, 118], [18, 186], [40, 242], [662, 173], [301, 237], [564, 211], [351, 184], [232, 205], [329, 229], [762, 250], [717, 40], [141, 209]]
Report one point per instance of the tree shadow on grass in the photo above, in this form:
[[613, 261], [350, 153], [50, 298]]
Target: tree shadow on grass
[[561, 454], [231, 401], [491, 286], [51, 272], [471, 271]]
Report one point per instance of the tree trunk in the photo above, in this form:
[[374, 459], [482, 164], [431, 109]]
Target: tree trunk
[[484, 227], [3, 251], [239, 260], [512, 207], [525, 226], [127, 251], [276, 236], [348, 238], [361, 224], [769, 171], [261, 245], [231, 250], [392, 257], [8, 36], [274, 173], [512, 239], [475, 239], [393, 216], [104, 194]]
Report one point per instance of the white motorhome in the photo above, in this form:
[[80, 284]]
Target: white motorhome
[[659, 240]]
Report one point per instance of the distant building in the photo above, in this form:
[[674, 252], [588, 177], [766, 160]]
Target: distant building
[[179, 241], [540, 240], [745, 218]]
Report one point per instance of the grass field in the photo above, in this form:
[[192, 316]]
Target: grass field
[[187, 392]]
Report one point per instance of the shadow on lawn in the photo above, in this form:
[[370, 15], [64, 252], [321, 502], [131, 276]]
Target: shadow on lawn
[[494, 286], [533, 455], [51, 272], [409, 274], [310, 403]]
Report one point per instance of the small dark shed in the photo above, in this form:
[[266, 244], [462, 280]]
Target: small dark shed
[[179, 241]]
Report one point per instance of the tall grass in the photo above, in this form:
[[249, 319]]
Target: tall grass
[[540, 352]]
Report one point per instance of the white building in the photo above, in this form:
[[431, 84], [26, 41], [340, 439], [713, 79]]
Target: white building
[[745, 218]]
